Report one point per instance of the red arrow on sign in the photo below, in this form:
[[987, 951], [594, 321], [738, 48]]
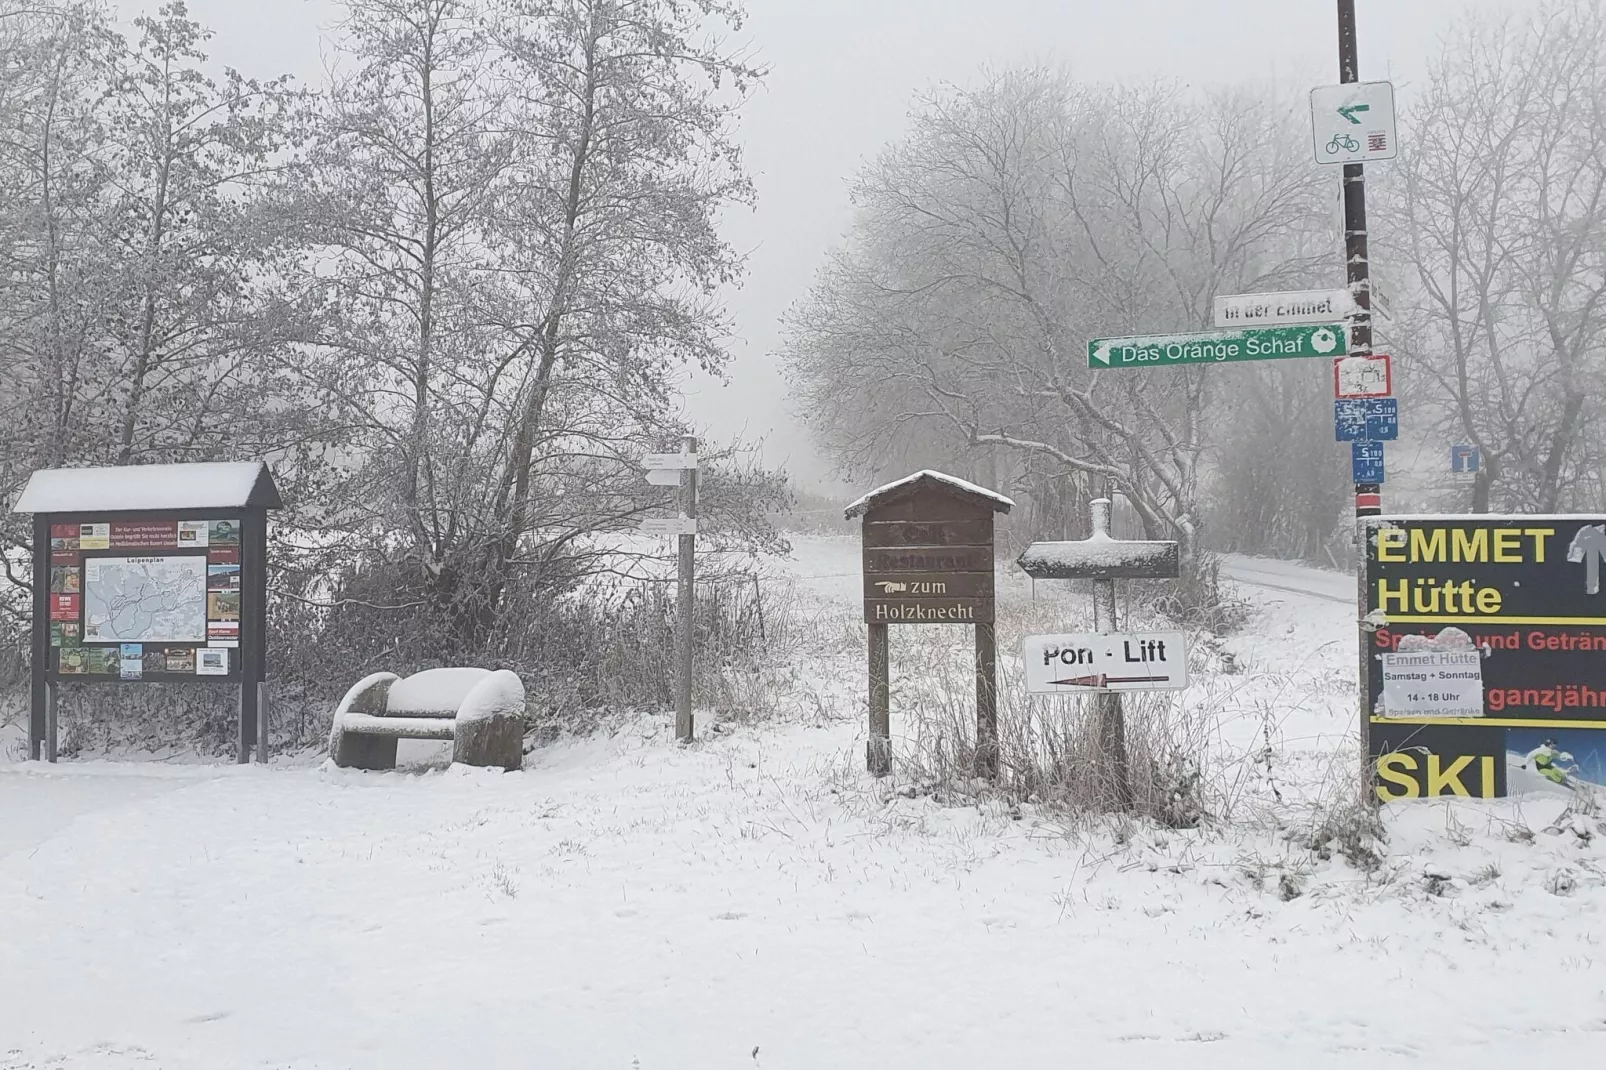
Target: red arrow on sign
[[1105, 681]]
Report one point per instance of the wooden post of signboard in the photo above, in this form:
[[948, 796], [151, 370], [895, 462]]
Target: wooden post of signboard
[[878, 751], [986, 701], [52, 720], [685, 640], [929, 559], [40, 697], [253, 631]]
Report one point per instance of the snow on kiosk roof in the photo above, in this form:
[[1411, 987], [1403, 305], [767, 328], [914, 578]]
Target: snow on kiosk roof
[[127, 488], [911, 485]]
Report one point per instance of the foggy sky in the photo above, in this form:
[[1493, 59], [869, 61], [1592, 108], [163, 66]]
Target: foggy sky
[[843, 73]]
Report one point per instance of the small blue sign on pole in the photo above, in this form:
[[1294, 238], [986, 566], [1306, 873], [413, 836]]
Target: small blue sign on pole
[[1366, 461], [1465, 460], [1360, 418]]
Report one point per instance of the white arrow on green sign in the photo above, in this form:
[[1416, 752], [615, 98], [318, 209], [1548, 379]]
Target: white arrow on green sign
[[1215, 347]]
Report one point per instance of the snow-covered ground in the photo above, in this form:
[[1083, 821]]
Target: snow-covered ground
[[756, 901]]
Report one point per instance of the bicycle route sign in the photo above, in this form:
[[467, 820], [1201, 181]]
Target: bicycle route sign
[[1215, 347], [1353, 122]]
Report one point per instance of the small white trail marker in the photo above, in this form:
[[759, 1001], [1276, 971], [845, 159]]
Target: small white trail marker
[[668, 525], [672, 461]]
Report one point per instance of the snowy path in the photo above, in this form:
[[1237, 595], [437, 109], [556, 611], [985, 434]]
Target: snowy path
[[38, 807], [624, 904], [1267, 574]]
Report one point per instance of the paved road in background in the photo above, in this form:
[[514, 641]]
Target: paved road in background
[[1287, 576]]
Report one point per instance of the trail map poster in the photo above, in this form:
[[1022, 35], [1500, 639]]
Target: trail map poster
[[1488, 662], [145, 598]]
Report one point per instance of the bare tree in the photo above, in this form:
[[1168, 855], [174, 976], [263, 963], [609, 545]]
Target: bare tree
[[139, 314], [516, 210], [1016, 221], [1502, 211]]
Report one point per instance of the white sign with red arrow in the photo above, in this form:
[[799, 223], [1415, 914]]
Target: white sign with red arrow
[[1081, 664]]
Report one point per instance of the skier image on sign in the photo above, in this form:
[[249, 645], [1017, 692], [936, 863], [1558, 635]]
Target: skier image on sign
[[1547, 760]]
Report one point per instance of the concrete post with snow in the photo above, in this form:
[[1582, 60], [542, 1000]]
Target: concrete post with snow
[[1162, 659]]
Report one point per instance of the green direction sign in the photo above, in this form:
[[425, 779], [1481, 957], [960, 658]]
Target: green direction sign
[[1214, 347]]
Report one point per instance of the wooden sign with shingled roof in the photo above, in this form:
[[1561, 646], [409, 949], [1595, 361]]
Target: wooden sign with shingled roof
[[929, 559]]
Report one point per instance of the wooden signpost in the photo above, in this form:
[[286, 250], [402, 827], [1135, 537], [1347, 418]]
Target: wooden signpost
[[928, 559], [680, 470]]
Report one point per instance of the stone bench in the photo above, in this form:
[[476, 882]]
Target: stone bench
[[477, 709]]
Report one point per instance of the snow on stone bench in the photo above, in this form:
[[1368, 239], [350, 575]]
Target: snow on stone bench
[[477, 709]]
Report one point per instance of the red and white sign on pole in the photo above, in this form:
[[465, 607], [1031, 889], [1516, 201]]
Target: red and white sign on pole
[[1363, 376]]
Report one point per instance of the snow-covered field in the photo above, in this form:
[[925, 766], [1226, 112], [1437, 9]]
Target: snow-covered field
[[757, 901]]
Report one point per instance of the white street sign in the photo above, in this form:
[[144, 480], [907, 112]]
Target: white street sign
[[1295, 306], [673, 461], [668, 525], [1353, 122], [1080, 664], [1363, 376], [1432, 683], [1382, 297], [663, 477]]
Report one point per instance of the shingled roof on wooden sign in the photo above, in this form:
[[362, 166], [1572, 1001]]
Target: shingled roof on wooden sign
[[925, 480]]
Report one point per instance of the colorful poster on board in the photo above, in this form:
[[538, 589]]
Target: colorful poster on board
[[132, 664], [211, 661], [144, 534], [74, 661], [1488, 672], [179, 660], [104, 660], [64, 607], [94, 536], [223, 577], [64, 579], [219, 555], [192, 533], [223, 533], [223, 605], [63, 537], [65, 633]]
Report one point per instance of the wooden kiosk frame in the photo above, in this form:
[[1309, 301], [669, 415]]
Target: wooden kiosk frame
[[180, 524]]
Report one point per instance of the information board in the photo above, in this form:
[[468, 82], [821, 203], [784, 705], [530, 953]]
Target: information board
[[1488, 662], [146, 598]]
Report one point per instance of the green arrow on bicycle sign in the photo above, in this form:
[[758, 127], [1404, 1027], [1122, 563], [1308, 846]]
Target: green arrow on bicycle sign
[[1216, 347], [1353, 122]]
